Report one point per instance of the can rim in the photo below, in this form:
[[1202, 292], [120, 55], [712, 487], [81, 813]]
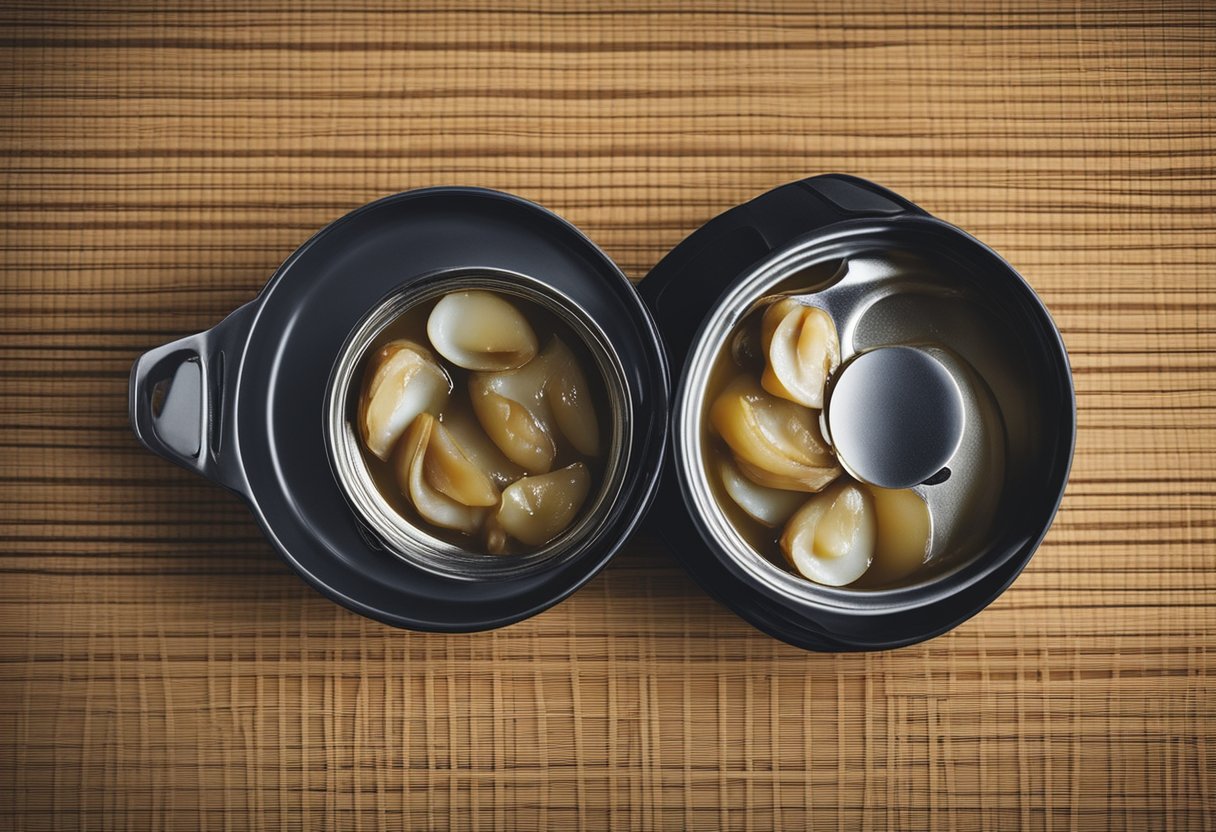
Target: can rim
[[413, 543]]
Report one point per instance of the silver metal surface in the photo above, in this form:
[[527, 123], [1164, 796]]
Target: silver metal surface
[[413, 543], [179, 423], [894, 416], [977, 388]]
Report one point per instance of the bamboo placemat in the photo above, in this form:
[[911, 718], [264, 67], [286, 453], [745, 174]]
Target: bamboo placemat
[[161, 668]]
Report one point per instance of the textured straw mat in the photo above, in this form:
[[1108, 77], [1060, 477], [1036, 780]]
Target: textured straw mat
[[160, 668]]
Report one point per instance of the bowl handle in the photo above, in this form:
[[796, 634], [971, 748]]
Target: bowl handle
[[182, 400], [687, 282]]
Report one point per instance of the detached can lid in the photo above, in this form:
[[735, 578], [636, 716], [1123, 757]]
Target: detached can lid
[[894, 416]]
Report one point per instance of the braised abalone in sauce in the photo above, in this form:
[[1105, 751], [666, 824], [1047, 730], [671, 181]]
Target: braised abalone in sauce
[[778, 477], [478, 421]]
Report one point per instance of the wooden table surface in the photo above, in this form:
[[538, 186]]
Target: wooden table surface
[[161, 668]]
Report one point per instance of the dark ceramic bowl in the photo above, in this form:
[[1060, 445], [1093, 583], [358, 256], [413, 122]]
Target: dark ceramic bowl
[[249, 403]]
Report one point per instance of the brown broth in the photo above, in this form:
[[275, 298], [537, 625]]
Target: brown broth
[[411, 325]]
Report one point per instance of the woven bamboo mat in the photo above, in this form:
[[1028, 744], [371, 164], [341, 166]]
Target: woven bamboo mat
[[161, 668]]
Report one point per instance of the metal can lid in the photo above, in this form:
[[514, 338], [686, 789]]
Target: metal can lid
[[895, 416]]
